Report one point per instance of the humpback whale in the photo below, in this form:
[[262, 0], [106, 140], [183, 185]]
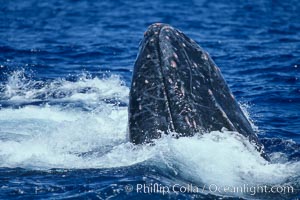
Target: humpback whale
[[176, 87]]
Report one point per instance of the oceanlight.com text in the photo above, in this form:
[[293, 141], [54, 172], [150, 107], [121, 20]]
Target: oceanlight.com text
[[245, 189]]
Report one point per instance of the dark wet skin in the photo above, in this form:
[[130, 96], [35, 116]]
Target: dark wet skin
[[176, 87]]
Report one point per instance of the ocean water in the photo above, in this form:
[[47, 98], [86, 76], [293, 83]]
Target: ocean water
[[65, 72]]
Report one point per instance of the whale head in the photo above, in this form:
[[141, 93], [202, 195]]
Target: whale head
[[177, 88]]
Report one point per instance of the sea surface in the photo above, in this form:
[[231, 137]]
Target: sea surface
[[65, 73]]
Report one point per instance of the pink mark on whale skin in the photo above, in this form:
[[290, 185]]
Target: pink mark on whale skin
[[175, 55], [182, 91], [188, 121], [173, 64], [194, 124]]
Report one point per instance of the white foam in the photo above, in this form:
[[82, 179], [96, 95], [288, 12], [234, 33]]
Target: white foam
[[224, 158], [20, 88], [57, 137]]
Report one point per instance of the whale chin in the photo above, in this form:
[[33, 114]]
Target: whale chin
[[176, 87]]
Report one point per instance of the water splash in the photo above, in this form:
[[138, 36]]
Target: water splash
[[94, 135]]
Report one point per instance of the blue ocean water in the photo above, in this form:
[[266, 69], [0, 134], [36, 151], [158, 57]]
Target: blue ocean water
[[65, 72]]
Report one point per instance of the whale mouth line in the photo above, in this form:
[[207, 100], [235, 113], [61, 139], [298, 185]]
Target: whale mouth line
[[158, 42], [160, 54]]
